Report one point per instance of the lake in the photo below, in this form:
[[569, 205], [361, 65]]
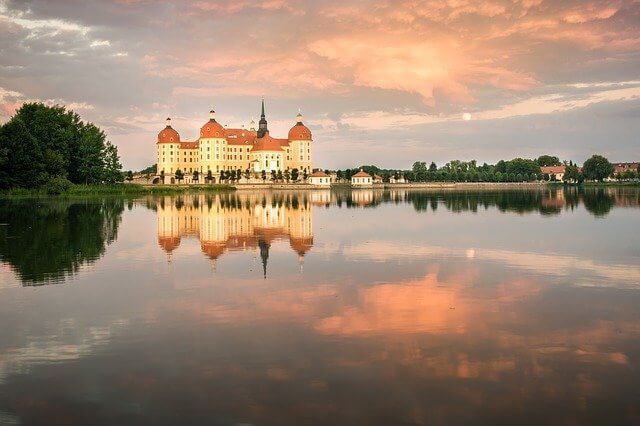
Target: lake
[[321, 307]]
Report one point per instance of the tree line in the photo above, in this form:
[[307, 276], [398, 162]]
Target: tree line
[[596, 168], [44, 146]]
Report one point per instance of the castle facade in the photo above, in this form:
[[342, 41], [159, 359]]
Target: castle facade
[[220, 149]]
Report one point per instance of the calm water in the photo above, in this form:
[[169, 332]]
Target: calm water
[[363, 307]]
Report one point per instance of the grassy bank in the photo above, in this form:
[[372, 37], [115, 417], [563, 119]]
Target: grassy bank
[[117, 189]]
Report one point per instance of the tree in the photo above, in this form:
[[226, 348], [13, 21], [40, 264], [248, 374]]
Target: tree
[[339, 175], [419, 170], [548, 160], [597, 168], [273, 175], [279, 175], [305, 175], [433, 167], [59, 145], [179, 175], [209, 176], [196, 175], [238, 174], [264, 175], [24, 159], [129, 176], [287, 175], [294, 175], [571, 173], [112, 173], [162, 176], [247, 174]]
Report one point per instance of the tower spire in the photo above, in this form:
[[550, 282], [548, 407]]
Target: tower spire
[[262, 124]]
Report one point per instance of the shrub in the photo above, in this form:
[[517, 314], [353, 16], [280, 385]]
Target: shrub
[[57, 186]]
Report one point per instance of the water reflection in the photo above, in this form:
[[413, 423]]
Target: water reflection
[[46, 240], [484, 310], [229, 222]]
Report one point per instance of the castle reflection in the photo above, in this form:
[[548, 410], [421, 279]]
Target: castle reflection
[[245, 221]]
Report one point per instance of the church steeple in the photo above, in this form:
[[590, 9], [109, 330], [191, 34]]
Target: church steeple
[[262, 124]]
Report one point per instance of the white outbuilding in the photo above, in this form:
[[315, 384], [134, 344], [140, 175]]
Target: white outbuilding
[[320, 178], [361, 178]]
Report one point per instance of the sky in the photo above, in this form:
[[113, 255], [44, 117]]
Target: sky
[[385, 82]]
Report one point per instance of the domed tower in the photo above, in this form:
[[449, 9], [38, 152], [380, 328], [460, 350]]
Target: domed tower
[[300, 147], [212, 147], [167, 149]]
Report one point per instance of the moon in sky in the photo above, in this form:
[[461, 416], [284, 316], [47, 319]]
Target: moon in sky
[[466, 116]]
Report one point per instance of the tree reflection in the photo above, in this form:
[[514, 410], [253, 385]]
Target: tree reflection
[[46, 240]]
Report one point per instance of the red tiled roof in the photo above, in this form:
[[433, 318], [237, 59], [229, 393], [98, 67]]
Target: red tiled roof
[[623, 167], [240, 136], [189, 145], [168, 135], [362, 173], [319, 173], [299, 132], [212, 129], [267, 143], [552, 170]]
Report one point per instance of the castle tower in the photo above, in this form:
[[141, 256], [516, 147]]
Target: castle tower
[[300, 147], [212, 146]]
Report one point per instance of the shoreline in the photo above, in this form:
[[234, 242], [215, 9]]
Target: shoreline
[[135, 189]]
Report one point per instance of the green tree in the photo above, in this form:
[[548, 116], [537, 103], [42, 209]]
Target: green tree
[[129, 176], [294, 175], [196, 175], [571, 173], [24, 159], [112, 169], [339, 175], [548, 160], [287, 175], [597, 168], [61, 146], [419, 170], [179, 175]]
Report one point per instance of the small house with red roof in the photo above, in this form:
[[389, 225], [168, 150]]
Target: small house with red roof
[[320, 178], [361, 178]]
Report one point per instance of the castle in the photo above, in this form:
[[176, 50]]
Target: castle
[[221, 149]]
